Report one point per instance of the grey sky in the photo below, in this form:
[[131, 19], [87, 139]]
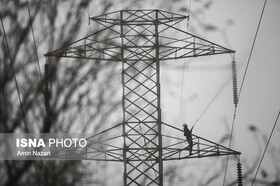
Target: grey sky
[[259, 100], [259, 104]]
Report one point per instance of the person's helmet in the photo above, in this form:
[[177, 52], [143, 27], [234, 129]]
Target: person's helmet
[[185, 125]]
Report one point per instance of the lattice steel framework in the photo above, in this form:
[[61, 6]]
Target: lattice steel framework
[[140, 39]]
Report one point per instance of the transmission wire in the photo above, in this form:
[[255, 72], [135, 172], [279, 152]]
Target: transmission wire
[[182, 85], [34, 41], [182, 89], [265, 148], [15, 79], [248, 62], [14, 75], [230, 139], [38, 63], [256, 34], [211, 101]]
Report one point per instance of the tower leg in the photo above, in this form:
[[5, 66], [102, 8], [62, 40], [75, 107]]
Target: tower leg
[[141, 104]]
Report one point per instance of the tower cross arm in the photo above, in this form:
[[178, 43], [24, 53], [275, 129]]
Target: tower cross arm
[[187, 45], [138, 17], [94, 46]]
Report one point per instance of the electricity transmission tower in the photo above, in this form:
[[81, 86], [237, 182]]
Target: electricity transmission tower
[[139, 40]]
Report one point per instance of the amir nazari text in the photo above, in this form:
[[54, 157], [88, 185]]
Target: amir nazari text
[[33, 153]]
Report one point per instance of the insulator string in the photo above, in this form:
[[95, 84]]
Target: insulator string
[[239, 174], [243, 79], [234, 83]]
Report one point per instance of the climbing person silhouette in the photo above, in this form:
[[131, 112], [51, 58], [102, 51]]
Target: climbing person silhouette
[[188, 134]]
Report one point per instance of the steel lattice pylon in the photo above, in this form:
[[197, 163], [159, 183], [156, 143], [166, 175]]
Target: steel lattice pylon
[[140, 39]]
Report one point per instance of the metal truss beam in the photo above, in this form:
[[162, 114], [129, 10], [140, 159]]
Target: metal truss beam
[[139, 40], [138, 17], [174, 148]]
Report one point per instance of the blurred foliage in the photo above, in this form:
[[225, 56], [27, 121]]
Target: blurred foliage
[[55, 24], [83, 93]]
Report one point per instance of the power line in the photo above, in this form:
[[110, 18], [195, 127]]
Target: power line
[[230, 139], [19, 97], [235, 100], [40, 74], [182, 88], [248, 62], [13, 71], [252, 48], [33, 35], [212, 100], [180, 110], [265, 148]]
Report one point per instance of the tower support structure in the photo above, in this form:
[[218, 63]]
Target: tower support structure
[[140, 40], [142, 154]]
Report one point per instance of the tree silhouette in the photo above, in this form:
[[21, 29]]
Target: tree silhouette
[[84, 94], [54, 26]]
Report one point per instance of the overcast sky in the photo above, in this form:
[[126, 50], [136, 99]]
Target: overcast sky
[[205, 77], [235, 23]]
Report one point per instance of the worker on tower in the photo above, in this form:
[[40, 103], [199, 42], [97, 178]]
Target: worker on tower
[[188, 134]]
